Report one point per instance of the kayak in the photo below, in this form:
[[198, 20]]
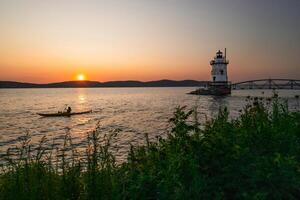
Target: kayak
[[63, 114]]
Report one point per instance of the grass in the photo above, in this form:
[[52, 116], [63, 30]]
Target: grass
[[256, 156]]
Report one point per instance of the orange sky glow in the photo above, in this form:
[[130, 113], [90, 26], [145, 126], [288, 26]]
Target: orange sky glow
[[43, 41]]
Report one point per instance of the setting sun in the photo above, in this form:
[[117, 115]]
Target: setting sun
[[80, 77]]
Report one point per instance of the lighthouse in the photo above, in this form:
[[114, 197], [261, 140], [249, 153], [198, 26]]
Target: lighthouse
[[219, 84], [219, 68]]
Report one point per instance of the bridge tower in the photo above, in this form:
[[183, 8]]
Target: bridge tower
[[219, 76]]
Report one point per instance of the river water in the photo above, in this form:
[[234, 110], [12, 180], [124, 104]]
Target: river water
[[133, 112]]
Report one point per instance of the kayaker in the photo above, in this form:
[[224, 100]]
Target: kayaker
[[69, 109]]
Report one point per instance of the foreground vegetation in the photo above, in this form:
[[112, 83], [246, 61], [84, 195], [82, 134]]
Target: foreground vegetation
[[256, 156]]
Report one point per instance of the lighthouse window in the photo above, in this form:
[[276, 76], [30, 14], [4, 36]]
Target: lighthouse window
[[222, 72]]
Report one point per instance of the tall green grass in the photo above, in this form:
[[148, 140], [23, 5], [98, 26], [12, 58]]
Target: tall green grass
[[256, 156]]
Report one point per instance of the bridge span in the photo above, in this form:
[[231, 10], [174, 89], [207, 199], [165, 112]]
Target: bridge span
[[277, 84]]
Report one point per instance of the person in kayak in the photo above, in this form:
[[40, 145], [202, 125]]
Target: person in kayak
[[69, 109]]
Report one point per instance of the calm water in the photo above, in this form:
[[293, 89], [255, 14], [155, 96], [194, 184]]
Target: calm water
[[131, 111]]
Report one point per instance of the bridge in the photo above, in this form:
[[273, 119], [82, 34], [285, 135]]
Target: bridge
[[277, 84]]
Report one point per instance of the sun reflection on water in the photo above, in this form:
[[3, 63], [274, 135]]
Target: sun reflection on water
[[81, 96]]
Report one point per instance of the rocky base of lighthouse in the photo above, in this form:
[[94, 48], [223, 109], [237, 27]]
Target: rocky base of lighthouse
[[216, 89]]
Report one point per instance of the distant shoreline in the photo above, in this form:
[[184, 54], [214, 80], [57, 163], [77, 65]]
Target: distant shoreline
[[109, 84]]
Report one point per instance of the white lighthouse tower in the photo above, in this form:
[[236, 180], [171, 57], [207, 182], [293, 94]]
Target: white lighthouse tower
[[219, 84], [219, 68]]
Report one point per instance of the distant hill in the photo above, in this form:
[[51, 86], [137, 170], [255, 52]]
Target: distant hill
[[13, 84], [76, 84]]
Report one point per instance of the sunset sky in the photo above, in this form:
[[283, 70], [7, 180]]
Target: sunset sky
[[55, 40]]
